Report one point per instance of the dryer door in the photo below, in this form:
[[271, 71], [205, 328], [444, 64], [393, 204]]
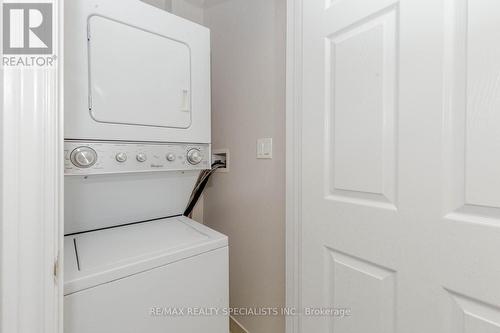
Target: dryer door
[[137, 77]]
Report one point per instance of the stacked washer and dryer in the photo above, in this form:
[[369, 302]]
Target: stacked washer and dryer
[[137, 134]]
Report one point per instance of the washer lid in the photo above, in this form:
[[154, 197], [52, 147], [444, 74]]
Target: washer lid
[[101, 256]]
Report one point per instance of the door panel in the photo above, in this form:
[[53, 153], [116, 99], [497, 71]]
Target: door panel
[[473, 97], [360, 92], [369, 289], [470, 237], [481, 21], [400, 165]]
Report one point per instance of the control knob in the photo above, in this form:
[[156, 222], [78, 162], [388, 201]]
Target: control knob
[[170, 157], [141, 157], [194, 156], [83, 157], [121, 157]]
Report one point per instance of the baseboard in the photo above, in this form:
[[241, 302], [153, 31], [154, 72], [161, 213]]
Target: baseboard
[[235, 326]]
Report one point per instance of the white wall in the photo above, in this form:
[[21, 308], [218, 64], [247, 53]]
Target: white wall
[[190, 11], [248, 203], [163, 4], [183, 8]]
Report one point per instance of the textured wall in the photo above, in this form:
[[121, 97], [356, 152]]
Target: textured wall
[[183, 8], [248, 203]]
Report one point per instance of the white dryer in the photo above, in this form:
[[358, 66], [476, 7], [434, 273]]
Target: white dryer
[[137, 134], [136, 73]]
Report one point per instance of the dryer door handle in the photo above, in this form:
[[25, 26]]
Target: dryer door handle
[[185, 101]]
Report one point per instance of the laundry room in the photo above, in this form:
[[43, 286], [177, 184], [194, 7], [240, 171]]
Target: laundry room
[[174, 166], [168, 211]]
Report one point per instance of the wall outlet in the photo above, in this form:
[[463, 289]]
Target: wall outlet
[[223, 156], [265, 148]]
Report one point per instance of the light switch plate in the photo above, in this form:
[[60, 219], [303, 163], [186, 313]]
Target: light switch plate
[[265, 148]]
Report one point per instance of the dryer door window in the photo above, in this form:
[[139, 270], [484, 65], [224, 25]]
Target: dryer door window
[[137, 77]]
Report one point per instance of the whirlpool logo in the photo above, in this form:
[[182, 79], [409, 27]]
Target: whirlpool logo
[[27, 30]]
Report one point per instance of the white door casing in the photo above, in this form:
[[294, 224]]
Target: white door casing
[[31, 194], [393, 155]]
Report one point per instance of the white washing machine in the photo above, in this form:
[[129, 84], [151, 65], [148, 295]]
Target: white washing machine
[[137, 134]]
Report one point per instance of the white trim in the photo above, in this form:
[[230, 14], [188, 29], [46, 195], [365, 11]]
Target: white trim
[[293, 160], [31, 195], [60, 157]]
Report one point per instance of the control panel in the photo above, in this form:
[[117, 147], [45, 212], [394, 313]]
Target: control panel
[[98, 157]]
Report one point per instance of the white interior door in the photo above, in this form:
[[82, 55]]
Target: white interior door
[[400, 165]]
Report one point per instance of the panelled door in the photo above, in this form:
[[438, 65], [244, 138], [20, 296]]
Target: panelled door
[[400, 165]]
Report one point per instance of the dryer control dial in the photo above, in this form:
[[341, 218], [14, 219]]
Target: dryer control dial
[[83, 157], [141, 157], [194, 156], [170, 157], [121, 157]]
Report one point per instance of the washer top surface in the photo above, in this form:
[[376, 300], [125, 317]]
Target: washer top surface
[[97, 257]]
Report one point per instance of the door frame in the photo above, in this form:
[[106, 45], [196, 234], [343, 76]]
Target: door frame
[[293, 161], [31, 193]]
